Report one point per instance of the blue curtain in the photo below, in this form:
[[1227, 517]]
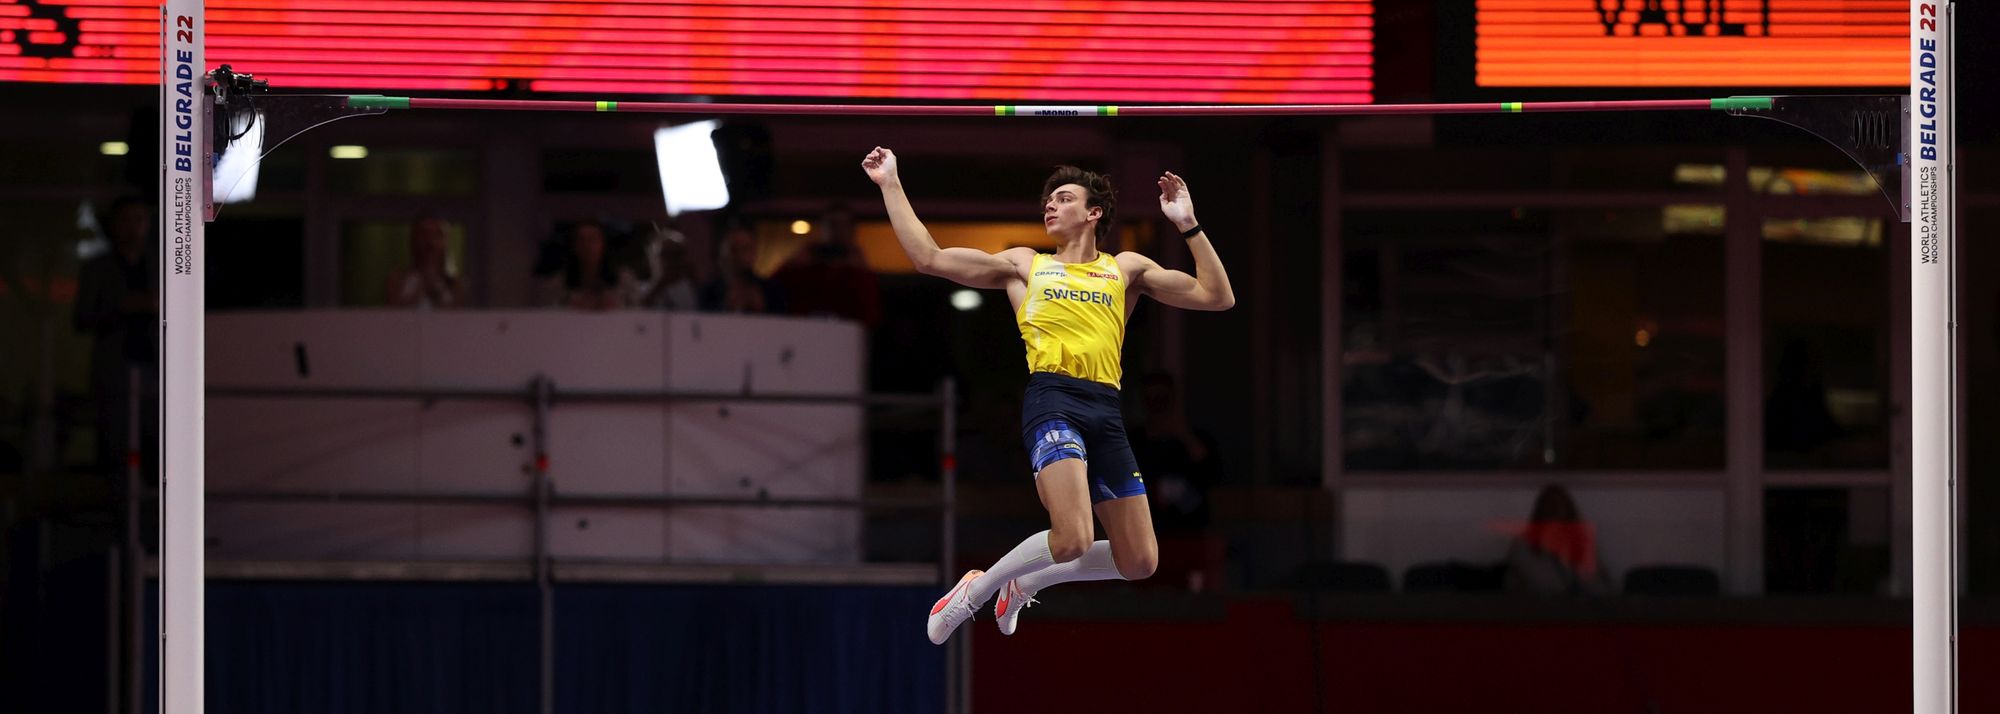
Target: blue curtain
[[726, 648], [315, 648], [384, 648]]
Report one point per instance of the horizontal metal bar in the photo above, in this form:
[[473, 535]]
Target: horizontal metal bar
[[345, 570], [578, 396], [642, 500], [912, 400], [1522, 479], [365, 497], [882, 574], [511, 395], [1828, 478], [655, 501]]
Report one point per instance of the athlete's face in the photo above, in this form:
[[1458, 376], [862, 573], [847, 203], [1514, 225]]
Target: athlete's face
[[1065, 210]]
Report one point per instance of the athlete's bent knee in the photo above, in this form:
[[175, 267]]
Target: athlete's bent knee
[[1065, 547], [1139, 567]]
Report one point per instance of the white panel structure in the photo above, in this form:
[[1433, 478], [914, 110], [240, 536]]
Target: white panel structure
[[579, 350], [351, 446], [596, 449], [649, 448], [609, 533], [752, 450], [312, 531], [319, 348]]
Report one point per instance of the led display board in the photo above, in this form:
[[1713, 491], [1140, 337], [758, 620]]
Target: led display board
[[1180, 51], [1693, 43]]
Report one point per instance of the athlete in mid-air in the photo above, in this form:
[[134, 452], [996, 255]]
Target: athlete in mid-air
[[1071, 307]]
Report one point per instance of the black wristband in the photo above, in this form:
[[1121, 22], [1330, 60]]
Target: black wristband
[[1191, 232]]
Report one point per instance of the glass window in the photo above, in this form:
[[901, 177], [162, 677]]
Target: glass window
[[256, 260], [1979, 342], [40, 263], [1808, 170], [1493, 339], [405, 171], [1643, 339], [284, 169], [1826, 349], [1444, 169], [599, 171], [372, 250], [1826, 540], [1677, 169], [76, 160]]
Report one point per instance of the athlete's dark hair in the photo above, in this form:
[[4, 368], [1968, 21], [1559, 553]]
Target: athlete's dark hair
[[1097, 185]]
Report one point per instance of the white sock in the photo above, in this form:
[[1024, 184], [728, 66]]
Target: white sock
[[1031, 555], [1096, 564]]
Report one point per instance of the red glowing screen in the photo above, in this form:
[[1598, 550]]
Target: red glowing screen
[[1022, 50], [1685, 43]]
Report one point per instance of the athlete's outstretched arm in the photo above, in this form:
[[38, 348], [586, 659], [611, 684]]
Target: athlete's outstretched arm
[[965, 266], [1208, 288]]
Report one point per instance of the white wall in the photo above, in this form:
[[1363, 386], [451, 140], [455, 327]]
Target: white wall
[[484, 447]]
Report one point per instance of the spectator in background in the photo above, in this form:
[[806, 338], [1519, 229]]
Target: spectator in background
[[583, 277], [1181, 466], [1556, 552], [829, 278], [118, 305], [739, 288], [670, 283], [427, 282], [1797, 420], [1181, 461]]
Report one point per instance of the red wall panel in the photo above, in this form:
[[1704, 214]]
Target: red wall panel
[[1259, 658]]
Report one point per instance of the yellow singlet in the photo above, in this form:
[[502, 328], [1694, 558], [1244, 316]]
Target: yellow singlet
[[1073, 319]]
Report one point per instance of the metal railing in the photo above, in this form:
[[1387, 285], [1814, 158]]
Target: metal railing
[[541, 396]]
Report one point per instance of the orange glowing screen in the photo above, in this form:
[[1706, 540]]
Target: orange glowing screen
[[1206, 51], [1693, 43]]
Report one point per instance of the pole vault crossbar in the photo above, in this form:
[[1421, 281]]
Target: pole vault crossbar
[[1869, 129], [375, 101]]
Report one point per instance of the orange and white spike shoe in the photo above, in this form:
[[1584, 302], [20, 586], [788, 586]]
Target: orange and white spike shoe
[[954, 608], [1007, 609]]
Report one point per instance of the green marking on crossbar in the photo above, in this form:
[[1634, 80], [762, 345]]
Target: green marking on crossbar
[[1728, 103], [377, 101]]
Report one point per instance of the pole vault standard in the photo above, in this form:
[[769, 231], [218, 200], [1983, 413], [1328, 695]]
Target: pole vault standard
[[186, 158], [1934, 444]]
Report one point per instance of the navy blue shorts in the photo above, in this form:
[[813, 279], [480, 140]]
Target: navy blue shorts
[[1069, 418]]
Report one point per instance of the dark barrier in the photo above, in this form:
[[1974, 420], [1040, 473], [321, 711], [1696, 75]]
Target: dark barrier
[[446, 648]]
